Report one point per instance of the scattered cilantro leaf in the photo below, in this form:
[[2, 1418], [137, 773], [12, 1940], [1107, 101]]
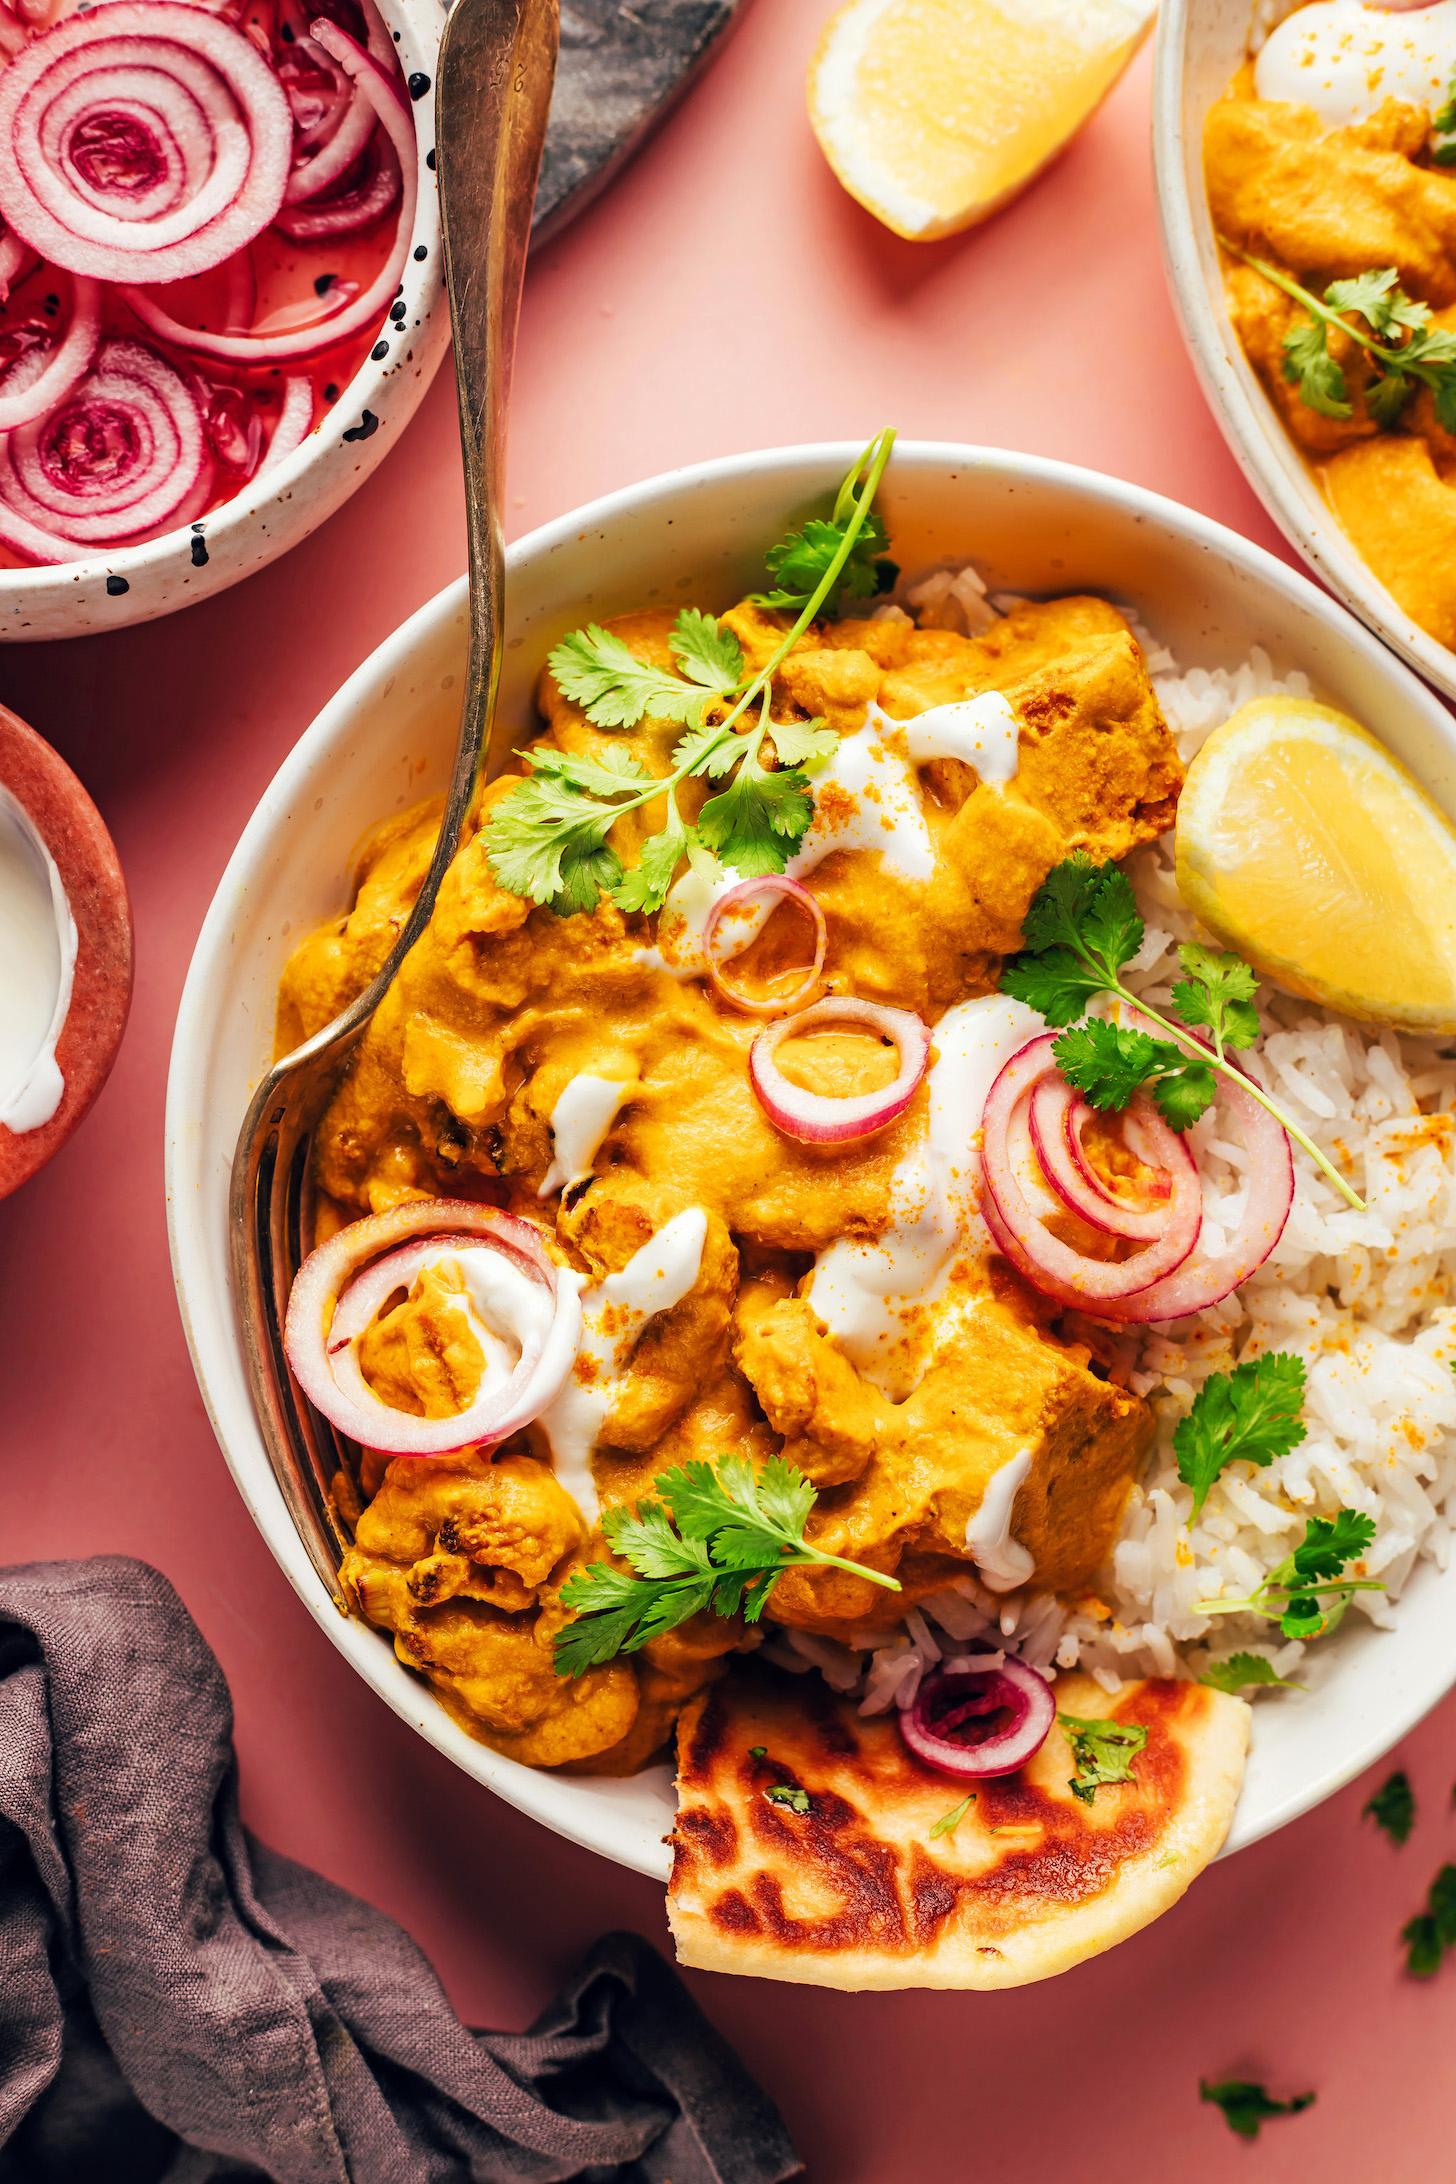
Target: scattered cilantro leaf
[[1250, 1415], [645, 886], [548, 843], [706, 652], [1430, 1935], [758, 1751], [759, 820], [800, 561], [1102, 1752], [950, 1821], [1393, 1806], [1240, 1670], [1247, 2106], [781, 1793], [708, 1539], [797, 742], [599, 671], [1082, 927]]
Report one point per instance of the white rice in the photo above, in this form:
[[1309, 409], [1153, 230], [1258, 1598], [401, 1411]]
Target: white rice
[[1367, 1299]]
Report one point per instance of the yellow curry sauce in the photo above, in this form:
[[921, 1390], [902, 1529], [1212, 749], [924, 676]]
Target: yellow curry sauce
[[1325, 203], [501, 1008]]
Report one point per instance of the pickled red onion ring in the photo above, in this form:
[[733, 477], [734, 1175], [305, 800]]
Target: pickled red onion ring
[[1056, 1117], [122, 455], [295, 419], [1055, 1267], [146, 140], [26, 394], [939, 1727], [347, 141], [813, 1117], [12, 258], [367, 309], [787, 890], [346, 211], [341, 1287]]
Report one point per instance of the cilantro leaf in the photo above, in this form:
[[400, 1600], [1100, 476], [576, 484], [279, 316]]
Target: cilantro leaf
[[646, 885], [800, 561], [1108, 1063], [1432, 1932], [1240, 1670], [798, 741], [1182, 1095], [1405, 348], [610, 774], [709, 1539], [1247, 2106], [547, 842], [1308, 1593], [1309, 366], [1386, 398], [1374, 294], [706, 652], [1217, 996], [599, 671], [1328, 1544], [1393, 1806], [1250, 1415], [1102, 1752], [708, 752], [950, 1821], [759, 819]]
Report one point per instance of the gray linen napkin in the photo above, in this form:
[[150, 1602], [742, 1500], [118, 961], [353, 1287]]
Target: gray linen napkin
[[178, 2003]]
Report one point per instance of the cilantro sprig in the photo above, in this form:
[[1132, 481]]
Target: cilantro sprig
[[1308, 1592], [1247, 2106], [1250, 1416], [548, 839], [1082, 928], [1102, 1752], [707, 1540], [1397, 334], [1443, 128]]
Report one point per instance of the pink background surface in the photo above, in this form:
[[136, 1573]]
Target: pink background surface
[[724, 296]]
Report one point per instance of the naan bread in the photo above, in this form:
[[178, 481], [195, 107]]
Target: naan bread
[[856, 1893]]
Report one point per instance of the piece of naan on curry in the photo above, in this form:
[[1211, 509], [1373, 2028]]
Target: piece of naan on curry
[[811, 1845], [1331, 172], [763, 1220]]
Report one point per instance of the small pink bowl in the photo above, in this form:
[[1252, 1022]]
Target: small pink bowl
[[73, 831]]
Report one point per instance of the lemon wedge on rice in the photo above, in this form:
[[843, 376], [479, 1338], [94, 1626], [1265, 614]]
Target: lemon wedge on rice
[[934, 112], [1304, 846]]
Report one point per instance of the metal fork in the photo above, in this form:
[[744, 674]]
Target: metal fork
[[493, 89]]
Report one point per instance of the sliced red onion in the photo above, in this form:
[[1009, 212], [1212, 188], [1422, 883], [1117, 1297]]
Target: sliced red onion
[[813, 1117], [1054, 1267], [119, 458], [12, 258], [355, 205], [346, 142], [368, 309], [779, 885], [146, 140], [295, 420], [45, 377], [953, 1723], [1056, 1117], [341, 1287]]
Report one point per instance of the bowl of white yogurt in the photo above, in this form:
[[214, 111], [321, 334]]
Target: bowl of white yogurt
[[66, 946]]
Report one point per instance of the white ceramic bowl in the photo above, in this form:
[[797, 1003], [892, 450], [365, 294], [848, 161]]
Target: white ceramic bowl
[[1200, 46], [388, 736], [275, 511]]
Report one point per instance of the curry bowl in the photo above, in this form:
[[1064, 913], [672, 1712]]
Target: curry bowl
[[1200, 46], [1033, 526]]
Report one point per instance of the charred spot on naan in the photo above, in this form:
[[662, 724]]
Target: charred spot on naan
[[856, 1891]]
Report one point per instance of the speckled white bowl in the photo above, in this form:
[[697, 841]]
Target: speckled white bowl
[[273, 512], [1200, 46], [388, 738]]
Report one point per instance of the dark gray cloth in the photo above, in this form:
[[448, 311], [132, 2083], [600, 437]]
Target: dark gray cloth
[[178, 2003]]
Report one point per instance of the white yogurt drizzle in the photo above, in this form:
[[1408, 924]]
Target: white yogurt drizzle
[[581, 1118], [1001, 1561], [867, 1293], [878, 807], [614, 1313], [504, 1307], [1345, 60], [38, 945]]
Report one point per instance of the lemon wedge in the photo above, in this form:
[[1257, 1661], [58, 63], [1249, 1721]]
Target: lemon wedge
[[1307, 848], [935, 112]]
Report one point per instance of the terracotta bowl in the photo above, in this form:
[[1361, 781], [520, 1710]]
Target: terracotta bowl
[[46, 808]]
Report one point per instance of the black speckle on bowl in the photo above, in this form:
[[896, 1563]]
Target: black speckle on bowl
[[115, 586], [418, 84], [368, 424], [379, 352]]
